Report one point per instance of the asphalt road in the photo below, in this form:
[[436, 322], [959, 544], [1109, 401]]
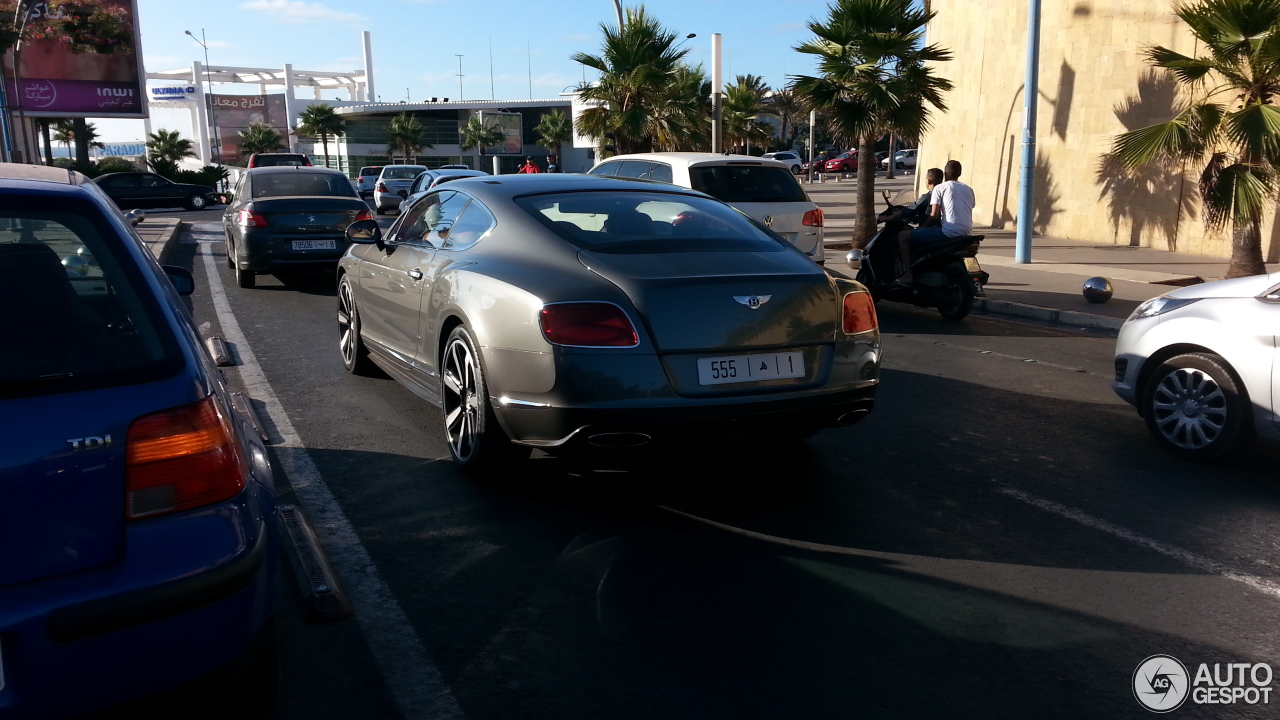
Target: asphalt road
[[1001, 539]]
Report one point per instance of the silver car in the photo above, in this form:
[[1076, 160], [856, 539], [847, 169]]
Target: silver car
[[578, 313], [762, 188], [393, 186], [1200, 365], [432, 179]]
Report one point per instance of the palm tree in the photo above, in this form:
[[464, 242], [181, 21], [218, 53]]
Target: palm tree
[[319, 120], [404, 136], [478, 135], [259, 138], [64, 133], [875, 79], [554, 129], [743, 104], [638, 63], [784, 105], [168, 145], [1233, 124], [683, 121]]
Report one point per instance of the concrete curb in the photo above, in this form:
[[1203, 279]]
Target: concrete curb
[[159, 236], [1071, 318]]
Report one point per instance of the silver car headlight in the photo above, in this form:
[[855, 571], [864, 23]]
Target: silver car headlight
[[1159, 306]]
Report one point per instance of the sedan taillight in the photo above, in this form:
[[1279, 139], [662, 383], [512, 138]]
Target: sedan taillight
[[814, 218], [859, 313], [381, 187], [182, 458], [588, 324], [249, 218], [364, 215]]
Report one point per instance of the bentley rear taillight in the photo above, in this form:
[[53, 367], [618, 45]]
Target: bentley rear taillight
[[182, 458], [588, 324], [859, 314]]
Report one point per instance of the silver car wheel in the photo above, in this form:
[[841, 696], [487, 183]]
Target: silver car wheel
[[346, 341], [461, 399], [1189, 408]]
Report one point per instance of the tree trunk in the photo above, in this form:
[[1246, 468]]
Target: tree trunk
[[1246, 250], [48, 143], [82, 142], [324, 142], [864, 224]]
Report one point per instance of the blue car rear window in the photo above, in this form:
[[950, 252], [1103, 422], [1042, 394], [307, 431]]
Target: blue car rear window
[[636, 222], [78, 313]]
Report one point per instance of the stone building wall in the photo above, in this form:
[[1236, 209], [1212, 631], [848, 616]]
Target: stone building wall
[[1094, 84]]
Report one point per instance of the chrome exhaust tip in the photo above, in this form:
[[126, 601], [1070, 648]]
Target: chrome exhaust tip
[[619, 440], [852, 417]]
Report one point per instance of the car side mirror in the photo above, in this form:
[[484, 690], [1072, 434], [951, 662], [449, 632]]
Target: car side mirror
[[181, 279], [364, 232]]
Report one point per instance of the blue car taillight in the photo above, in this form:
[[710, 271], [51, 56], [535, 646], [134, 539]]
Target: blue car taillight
[[181, 458]]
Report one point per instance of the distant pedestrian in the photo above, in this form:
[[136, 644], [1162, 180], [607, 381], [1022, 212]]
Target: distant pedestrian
[[529, 167], [551, 165]]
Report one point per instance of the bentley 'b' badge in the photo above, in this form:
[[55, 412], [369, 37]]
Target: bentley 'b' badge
[[752, 301]]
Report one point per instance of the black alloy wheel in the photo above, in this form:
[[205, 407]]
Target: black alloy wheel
[[355, 356], [476, 440], [1194, 407]]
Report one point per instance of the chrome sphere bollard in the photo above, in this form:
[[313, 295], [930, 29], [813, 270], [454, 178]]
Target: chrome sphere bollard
[[75, 266], [1097, 290], [854, 258]]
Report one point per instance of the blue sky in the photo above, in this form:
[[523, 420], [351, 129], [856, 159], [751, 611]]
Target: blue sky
[[415, 41]]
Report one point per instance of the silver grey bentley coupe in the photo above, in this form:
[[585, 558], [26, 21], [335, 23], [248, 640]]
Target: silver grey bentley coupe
[[572, 313]]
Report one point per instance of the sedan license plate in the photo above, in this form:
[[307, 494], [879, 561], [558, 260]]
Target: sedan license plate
[[314, 245], [971, 264], [750, 368]]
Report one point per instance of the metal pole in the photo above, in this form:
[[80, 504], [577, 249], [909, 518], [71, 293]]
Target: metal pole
[[813, 120], [1030, 95], [716, 94], [213, 110], [459, 77]]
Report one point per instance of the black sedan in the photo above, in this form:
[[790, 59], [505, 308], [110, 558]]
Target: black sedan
[[149, 190], [288, 217]]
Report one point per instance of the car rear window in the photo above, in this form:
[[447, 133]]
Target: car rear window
[[406, 172], [301, 184], [629, 222], [79, 314], [366, 171], [747, 183]]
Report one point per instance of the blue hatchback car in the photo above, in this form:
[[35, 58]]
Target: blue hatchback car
[[138, 548]]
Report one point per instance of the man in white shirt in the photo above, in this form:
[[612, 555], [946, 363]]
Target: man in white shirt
[[950, 216]]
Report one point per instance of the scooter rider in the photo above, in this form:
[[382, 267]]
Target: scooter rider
[[950, 216], [919, 210]]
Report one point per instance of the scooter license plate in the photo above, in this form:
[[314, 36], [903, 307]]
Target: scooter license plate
[[971, 264]]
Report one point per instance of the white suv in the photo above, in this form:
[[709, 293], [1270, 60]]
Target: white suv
[[790, 158], [762, 189]]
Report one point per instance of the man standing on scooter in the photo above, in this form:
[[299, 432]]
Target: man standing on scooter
[[950, 216]]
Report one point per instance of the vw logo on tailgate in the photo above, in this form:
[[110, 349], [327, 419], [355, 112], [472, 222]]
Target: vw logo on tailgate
[[752, 301]]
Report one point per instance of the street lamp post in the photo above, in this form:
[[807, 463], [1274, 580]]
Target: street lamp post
[[213, 111], [1030, 96], [716, 94]]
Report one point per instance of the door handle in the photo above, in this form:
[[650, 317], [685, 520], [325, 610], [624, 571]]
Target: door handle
[[416, 274]]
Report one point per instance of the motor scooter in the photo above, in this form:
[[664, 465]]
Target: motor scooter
[[946, 275]]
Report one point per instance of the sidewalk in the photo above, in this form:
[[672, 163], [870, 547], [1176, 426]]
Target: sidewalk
[[1049, 287], [159, 234]]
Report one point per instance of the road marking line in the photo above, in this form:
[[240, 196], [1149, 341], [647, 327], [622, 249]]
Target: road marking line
[[414, 680], [1186, 557]]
